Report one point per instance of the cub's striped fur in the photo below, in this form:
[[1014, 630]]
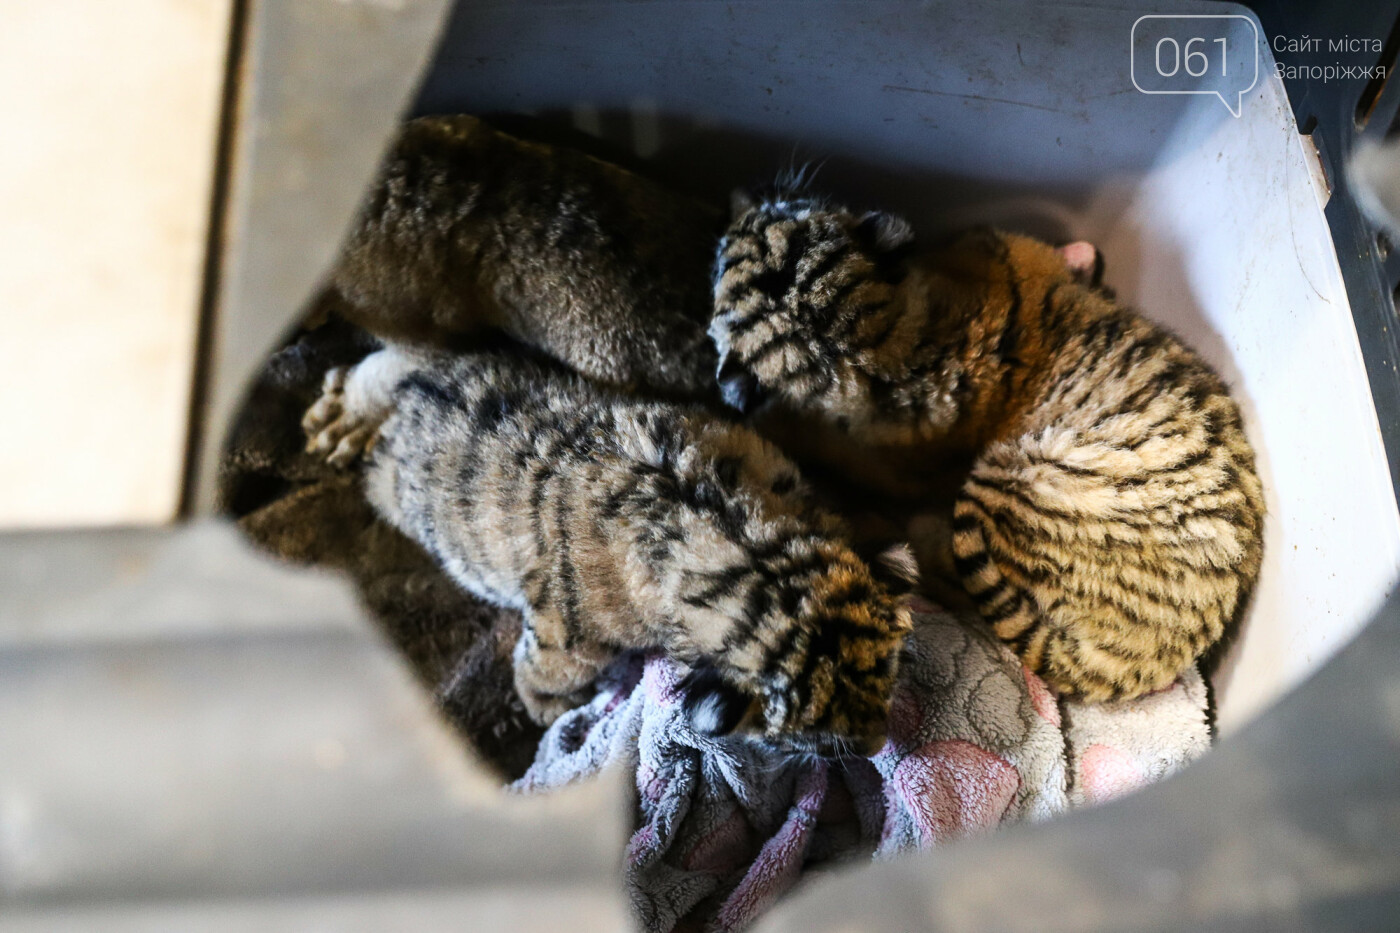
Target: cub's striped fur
[[1110, 526], [470, 229], [615, 523]]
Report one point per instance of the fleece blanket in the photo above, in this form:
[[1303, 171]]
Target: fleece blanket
[[726, 826]]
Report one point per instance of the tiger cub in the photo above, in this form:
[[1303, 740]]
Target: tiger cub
[[614, 523], [1107, 519], [469, 229]]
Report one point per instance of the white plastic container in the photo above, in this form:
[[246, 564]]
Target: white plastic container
[[1026, 115]]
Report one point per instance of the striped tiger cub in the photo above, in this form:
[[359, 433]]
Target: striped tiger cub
[[469, 232], [1107, 519], [614, 523]]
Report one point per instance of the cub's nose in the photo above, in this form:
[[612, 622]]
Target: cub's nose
[[869, 745], [738, 387]]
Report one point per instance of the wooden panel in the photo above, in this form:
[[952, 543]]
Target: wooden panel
[[110, 113]]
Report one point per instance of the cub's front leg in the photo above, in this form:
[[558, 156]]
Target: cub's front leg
[[344, 422], [551, 678]]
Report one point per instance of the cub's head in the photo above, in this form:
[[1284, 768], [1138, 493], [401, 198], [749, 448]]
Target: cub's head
[[816, 675], [810, 317], [803, 288], [994, 261]]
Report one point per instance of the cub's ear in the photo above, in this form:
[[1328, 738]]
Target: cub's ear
[[897, 568], [741, 201], [712, 706], [888, 232], [1085, 262]]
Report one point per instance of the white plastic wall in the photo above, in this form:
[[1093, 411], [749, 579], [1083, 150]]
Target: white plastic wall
[[1023, 114]]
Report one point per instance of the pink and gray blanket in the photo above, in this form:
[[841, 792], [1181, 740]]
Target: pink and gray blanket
[[725, 827]]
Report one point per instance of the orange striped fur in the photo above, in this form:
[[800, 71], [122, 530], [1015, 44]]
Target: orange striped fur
[[1107, 519], [615, 523]]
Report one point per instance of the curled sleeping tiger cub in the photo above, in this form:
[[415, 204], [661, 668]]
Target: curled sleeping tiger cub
[[615, 523], [1107, 518]]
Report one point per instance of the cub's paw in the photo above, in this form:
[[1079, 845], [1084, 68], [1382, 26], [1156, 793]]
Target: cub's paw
[[334, 429], [544, 708]]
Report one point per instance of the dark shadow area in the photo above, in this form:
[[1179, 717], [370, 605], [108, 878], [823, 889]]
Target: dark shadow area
[[293, 505]]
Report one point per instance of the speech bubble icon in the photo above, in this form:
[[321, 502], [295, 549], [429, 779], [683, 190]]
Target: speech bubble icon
[[1199, 53]]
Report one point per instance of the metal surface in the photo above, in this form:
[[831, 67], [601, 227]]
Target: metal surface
[[1334, 113], [78, 588], [511, 908], [184, 722], [322, 84]]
